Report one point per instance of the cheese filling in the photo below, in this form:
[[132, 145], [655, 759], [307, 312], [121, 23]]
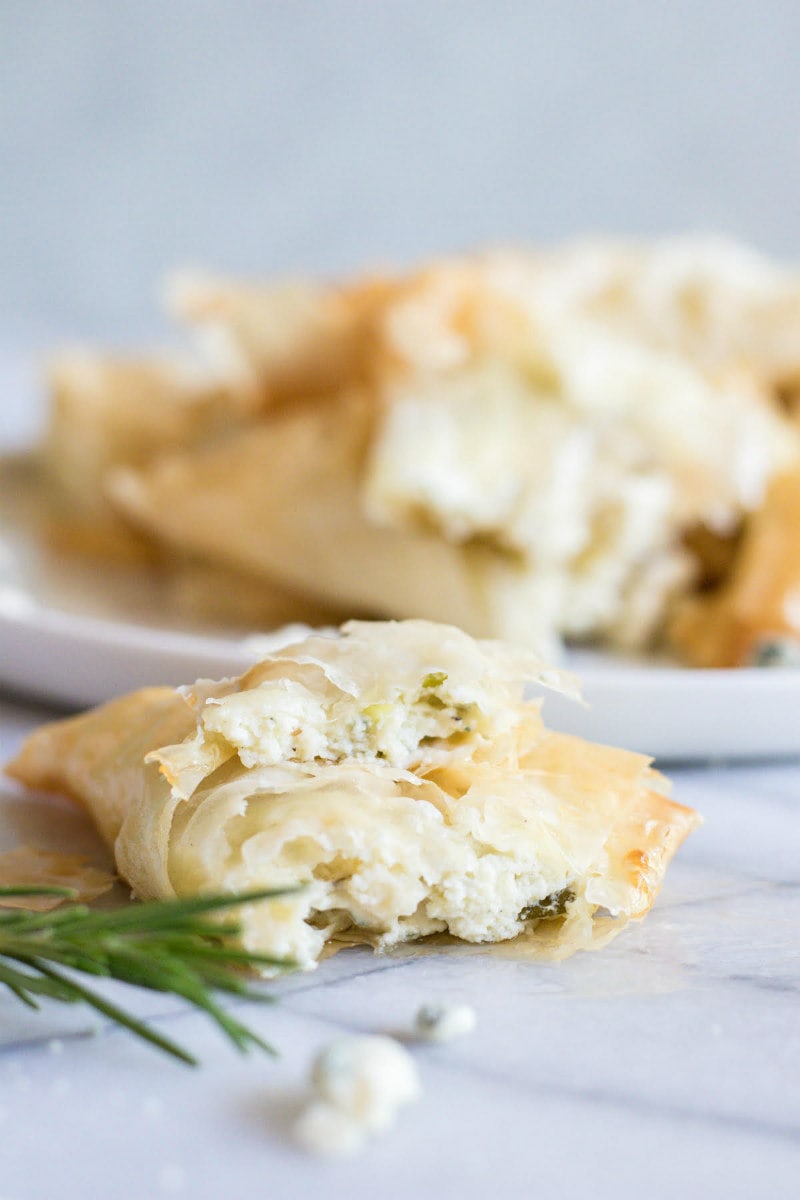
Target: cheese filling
[[283, 721]]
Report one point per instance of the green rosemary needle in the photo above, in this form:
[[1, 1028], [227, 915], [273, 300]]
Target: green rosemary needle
[[164, 945]]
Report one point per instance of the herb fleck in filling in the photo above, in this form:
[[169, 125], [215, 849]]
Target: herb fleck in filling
[[554, 905]]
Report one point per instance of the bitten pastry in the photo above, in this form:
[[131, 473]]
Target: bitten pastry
[[394, 771]]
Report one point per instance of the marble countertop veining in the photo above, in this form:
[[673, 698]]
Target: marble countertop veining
[[667, 1064]]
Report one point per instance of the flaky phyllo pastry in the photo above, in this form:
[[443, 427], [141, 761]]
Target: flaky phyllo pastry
[[532, 445], [395, 771]]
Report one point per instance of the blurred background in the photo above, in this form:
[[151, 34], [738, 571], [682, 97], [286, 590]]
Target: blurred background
[[265, 136]]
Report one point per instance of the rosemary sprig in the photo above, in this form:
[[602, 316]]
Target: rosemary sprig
[[163, 945]]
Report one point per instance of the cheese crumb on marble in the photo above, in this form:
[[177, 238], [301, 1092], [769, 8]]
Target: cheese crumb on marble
[[444, 1022], [359, 1085], [326, 1130]]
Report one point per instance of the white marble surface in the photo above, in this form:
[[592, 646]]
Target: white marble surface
[[666, 1065]]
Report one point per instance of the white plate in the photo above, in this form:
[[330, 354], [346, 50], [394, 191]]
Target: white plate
[[72, 635]]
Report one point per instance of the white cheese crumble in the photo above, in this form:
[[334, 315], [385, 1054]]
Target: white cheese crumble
[[444, 1022], [359, 1085], [329, 1131]]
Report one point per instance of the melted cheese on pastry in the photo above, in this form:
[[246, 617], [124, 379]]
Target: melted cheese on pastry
[[394, 771]]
